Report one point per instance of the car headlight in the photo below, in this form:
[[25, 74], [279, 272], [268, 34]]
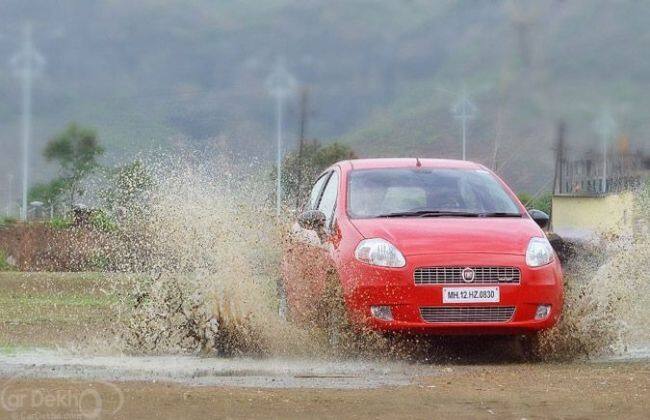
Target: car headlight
[[379, 252], [539, 252]]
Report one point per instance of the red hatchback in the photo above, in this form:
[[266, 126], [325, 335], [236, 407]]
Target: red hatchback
[[423, 246]]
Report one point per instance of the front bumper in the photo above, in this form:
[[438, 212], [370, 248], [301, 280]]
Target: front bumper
[[365, 286]]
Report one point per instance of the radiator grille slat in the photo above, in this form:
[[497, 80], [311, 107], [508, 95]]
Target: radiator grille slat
[[467, 314], [454, 275]]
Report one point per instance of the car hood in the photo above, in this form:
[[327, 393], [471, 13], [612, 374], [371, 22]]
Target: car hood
[[438, 235]]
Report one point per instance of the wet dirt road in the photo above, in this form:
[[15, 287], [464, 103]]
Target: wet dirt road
[[576, 390], [39, 381]]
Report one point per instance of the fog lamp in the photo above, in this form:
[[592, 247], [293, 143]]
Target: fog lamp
[[382, 312], [542, 311]]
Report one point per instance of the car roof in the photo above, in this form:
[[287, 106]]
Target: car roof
[[412, 163]]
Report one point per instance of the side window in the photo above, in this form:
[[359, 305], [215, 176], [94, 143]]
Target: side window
[[328, 200], [315, 192]]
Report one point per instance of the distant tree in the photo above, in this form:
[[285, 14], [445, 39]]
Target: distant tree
[[76, 150], [299, 171], [50, 193]]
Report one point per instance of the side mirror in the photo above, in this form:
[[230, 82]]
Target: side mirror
[[540, 218], [312, 220]]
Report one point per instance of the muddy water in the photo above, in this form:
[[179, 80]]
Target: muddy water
[[270, 372], [214, 371], [209, 268], [607, 308]]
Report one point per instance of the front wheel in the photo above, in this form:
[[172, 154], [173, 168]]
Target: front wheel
[[528, 347], [335, 320]]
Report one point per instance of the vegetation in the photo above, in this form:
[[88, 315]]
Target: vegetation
[[541, 202], [127, 187], [49, 193], [100, 220], [76, 151], [7, 221], [385, 73], [4, 264], [301, 169], [43, 309], [59, 222]]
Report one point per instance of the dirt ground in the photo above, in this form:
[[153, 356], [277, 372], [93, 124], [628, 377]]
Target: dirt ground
[[563, 391], [45, 310]]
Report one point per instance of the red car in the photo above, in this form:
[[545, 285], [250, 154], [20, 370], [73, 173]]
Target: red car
[[422, 246]]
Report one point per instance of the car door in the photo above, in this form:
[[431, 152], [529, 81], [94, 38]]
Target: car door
[[323, 269], [302, 253]]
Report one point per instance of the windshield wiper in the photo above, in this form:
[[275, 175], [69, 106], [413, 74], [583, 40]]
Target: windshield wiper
[[430, 213], [500, 214]]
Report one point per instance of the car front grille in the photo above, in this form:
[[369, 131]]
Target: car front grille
[[454, 275], [467, 314]]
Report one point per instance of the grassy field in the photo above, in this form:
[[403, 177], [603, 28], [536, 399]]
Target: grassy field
[[52, 309]]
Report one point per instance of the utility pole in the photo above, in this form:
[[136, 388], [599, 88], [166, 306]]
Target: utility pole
[[280, 84], [605, 125], [304, 115], [10, 194], [26, 63], [464, 110], [559, 157]]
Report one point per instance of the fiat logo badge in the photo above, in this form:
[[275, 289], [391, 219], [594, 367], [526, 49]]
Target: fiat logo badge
[[468, 275]]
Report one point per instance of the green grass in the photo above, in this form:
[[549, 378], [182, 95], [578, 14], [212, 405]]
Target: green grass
[[7, 221], [60, 223], [51, 309], [70, 300], [8, 349]]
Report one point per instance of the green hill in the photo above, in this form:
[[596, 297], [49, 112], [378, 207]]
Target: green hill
[[382, 75]]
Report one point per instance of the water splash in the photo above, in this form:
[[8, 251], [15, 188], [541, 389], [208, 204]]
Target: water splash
[[607, 297], [206, 248], [206, 251]]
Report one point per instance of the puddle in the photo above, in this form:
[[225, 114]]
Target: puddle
[[237, 372], [192, 370], [639, 352]]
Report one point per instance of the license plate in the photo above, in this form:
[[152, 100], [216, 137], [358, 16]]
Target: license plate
[[470, 294]]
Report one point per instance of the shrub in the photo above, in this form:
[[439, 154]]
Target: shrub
[[7, 221], [102, 221], [4, 264], [98, 262], [60, 223], [540, 202]]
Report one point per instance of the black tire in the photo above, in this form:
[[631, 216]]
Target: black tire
[[528, 347]]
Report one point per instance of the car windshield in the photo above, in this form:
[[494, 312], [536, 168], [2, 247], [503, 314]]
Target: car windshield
[[426, 192]]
